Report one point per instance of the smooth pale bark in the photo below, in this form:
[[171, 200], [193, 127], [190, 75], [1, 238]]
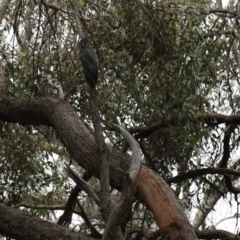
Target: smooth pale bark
[[81, 145], [123, 204], [205, 207]]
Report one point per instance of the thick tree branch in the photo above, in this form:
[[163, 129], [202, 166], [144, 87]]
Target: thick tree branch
[[136, 156], [215, 234], [202, 234], [32, 227], [81, 145]]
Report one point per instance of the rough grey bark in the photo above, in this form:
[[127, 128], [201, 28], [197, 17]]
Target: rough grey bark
[[21, 225]]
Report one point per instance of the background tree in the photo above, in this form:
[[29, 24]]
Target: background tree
[[169, 73]]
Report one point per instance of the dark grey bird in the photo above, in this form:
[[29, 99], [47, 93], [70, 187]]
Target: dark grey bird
[[89, 61]]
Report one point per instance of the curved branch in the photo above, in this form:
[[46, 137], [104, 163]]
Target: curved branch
[[124, 203], [136, 157]]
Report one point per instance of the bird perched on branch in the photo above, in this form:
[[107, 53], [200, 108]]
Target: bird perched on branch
[[89, 61]]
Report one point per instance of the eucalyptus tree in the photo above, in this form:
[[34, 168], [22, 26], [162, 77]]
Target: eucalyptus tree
[[169, 75]]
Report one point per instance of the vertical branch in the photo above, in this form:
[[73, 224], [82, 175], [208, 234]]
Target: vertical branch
[[3, 82], [226, 156], [106, 204], [104, 165], [77, 19]]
